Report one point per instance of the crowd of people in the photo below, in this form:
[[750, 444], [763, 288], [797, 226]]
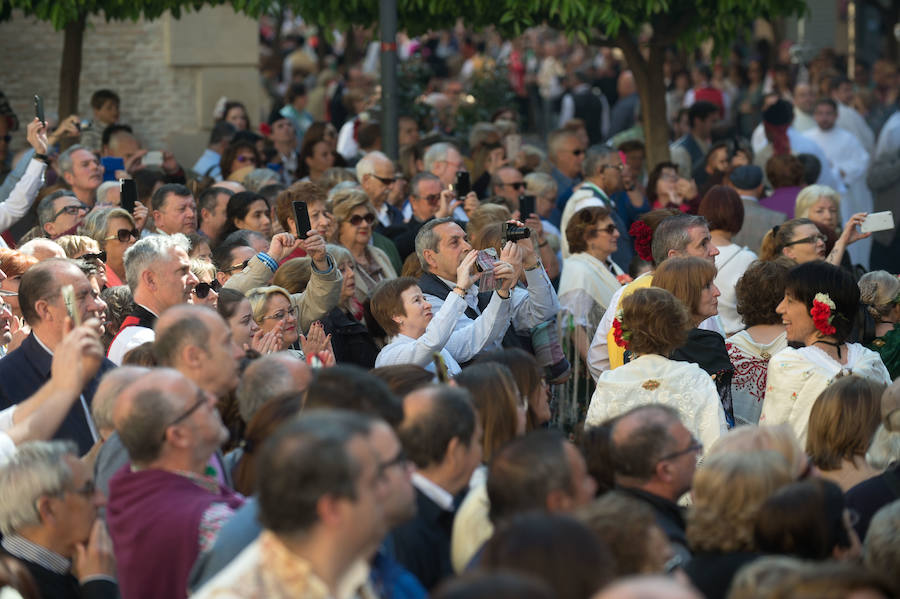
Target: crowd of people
[[487, 368]]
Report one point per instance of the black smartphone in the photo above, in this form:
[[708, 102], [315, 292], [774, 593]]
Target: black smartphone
[[301, 218], [463, 184], [39, 109], [526, 206], [128, 195]]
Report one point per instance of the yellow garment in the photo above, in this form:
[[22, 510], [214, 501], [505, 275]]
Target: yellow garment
[[616, 353]]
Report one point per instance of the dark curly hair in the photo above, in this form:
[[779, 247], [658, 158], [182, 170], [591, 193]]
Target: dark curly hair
[[651, 334], [579, 227], [759, 291]]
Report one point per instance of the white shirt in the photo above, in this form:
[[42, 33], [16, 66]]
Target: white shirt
[[434, 492], [731, 263], [14, 207], [128, 339], [850, 120], [889, 138]]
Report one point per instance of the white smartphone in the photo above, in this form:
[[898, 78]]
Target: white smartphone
[[877, 221], [153, 158]]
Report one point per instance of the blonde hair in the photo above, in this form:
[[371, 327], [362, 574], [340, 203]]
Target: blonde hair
[[259, 297], [728, 490], [203, 269], [345, 201], [880, 292], [76, 245], [749, 438], [485, 215], [810, 195]]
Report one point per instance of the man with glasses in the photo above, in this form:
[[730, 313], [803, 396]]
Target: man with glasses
[[48, 517], [168, 506], [654, 458], [377, 177], [428, 200], [566, 153], [61, 213], [443, 160], [507, 183]]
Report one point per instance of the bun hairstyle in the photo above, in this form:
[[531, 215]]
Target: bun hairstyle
[[880, 292], [777, 238], [810, 278]]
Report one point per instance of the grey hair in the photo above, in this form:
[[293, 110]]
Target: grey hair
[[115, 382], [97, 221], [673, 233], [436, 153], [45, 207], [263, 380], [65, 159], [339, 253], [334, 191], [480, 132], [35, 470], [143, 254], [104, 189], [423, 176], [366, 164], [596, 159], [427, 239], [259, 178], [538, 184], [884, 450]]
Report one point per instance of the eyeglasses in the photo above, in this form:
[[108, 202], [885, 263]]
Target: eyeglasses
[[810, 239], [517, 185], [71, 210], [240, 266], [243, 159], [202, 290], [618, 167], [398, 460], [281, 314], [694, 447], [201, 399], [91, 257], [608, 229], [357, 219], [385, 180], [433, 198], [124, 235], [578, 152], [87, 489]]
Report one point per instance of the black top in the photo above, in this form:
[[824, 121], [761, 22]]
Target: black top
[[422, 544], [707, 350], [712, 573], [65, 586], [669, 516], [873, 494]]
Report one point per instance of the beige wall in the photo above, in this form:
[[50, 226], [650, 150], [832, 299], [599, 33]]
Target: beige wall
[[169, 73]]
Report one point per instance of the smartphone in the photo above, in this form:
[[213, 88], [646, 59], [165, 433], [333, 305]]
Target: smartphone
[[68, 295], [301, 219], [512, 144], [484, 263], [526, 206], [440, 368], [128, 195], [111, 164], [877, 221], [463, 184], [39, 109], [153, 158]]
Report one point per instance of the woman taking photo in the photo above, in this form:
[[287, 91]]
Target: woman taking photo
[[801, 240], [819, 306]]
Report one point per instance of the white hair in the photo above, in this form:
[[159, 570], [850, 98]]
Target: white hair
[[366, 164], [437, 153], [36, 469], [104, 189], [149, 250]]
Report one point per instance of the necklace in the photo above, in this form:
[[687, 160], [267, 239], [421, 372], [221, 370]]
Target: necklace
[[837, 346]]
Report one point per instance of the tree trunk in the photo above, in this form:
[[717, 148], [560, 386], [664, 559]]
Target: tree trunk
[[70, 69], [648, 76]]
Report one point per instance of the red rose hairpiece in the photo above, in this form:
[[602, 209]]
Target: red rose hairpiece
[[822, 315], [620, 336], [642, 235]]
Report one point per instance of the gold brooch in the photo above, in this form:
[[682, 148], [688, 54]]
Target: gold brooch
[[765, 356], [650, 385]]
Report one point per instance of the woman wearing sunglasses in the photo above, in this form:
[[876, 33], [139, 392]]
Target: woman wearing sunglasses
[[237, 156], [206, 292], [355, 220], [801, 240], [114, 230]]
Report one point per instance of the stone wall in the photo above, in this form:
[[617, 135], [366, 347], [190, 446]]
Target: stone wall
[[169, 73]]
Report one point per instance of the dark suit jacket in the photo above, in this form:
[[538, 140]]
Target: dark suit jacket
[[65, 586], [25, 370], [422, 544]]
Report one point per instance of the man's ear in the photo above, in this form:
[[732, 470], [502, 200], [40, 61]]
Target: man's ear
[[68, 178], [148, 278], [45, 509], [221, 277], [558, 501], [156, 214], [50, 230], [429, 259], [42, 307], [192, 355]]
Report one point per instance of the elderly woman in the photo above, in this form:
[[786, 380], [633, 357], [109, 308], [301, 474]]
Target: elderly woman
[[691, 280], [355, 220], [399, 306], [819, 306], [274, 311], [650, 376], [822, 205], [759, 292], [879, 291], [723, 209], [115, 231]]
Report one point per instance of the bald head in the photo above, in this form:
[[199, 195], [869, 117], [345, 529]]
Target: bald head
[[631, 422], [648, 587], [178, 326], [232, 185], [267, 378], [417, 404], [42, 249], [105, 397], [625, 85]]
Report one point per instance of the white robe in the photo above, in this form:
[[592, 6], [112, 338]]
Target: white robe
[[796, 377], [683, 386], [889, 138], [850, 120], [847, 155]]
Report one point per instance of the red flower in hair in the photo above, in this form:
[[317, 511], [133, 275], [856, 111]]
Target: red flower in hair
[[620, 335], [642, 235], [821, 314]]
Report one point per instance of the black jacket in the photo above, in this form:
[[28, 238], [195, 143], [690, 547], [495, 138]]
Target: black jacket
[[422, 544], [350, 339]]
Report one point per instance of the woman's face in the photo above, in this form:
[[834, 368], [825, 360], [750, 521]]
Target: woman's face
[[357, 230], [322, 158], [212, 296], [708, 306], [348, 286], [665, 185], [242, 325], [602, 239], [320, 219], [807, 244], [257, 218], [280, 312], [245, 157], [797, 321], [237, 117], [824, 212], [544, 204], [417, 312]]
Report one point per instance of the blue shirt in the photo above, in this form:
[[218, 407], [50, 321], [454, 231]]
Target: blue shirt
[[208, 164]]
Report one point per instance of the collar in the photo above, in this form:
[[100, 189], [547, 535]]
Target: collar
[[208, 483], [148, 310], [470, 292], [751, 198], [24, 549], [41, 343], [598, 190], [295, 574], [433, 491]]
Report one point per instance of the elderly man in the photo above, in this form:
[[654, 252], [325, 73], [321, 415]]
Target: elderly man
[[48, 517], [441, 246], [165, 508], [566, 152], [82, 172], [24, 370], [158, 272], [443, 160], [267, 378], [321, 494], [427, 200], [376, 175], [174, 210], [61, 213]]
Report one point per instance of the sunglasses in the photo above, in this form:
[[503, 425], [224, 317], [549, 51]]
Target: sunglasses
[[71, 210], [433, 198], [810, 239], [240, 266], [124, 235], [608, 229], [517, 185], [91, 257], [7, 138], [202, 290], [357, 219], [386, 180]]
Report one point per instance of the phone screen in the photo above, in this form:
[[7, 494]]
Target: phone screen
[[128, 194], [463, 184], [301, 218]]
